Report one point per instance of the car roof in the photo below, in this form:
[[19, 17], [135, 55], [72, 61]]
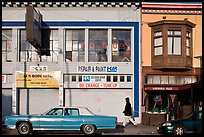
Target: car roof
[[69, 107]]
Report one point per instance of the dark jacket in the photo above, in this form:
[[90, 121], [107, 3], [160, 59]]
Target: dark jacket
[[127, 111]]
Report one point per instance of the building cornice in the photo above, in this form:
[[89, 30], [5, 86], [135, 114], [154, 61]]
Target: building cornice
[[71, 4], [171, 8]]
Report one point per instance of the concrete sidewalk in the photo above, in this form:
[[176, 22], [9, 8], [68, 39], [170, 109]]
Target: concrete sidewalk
[[132, 130]]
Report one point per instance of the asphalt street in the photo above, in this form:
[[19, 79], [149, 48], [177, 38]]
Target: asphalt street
[[128, 130]]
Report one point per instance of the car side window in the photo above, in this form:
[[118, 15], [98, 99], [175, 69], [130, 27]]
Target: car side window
[[55, 111], [66, 112], [197, 116], [71, 112]]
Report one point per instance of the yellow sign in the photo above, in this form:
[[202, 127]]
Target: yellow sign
[[38, 79]]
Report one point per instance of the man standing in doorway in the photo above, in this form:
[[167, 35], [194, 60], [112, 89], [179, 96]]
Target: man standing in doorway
[[128, 113]]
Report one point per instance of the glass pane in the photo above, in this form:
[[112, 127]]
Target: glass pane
[[158, 51], [157, 41], [81, 45], [55, 35], [164, 79], [122, 79], [177, 32], [158, 33], [74, 56], [180, 80], [68, 34], [108, 78], [170, 32], [9, 48], [4, 45], [55, 56], [121, 47], [188, 51], [128, 78], [156, 80], [177, 44], [55, 45], [187, 42], [149, 80], [22, 56], [75, 45], [97, 45], [92, 57], [170, 45], [81, 56], [66, 78], [81, 35], [44, 58], [73, 78], [68, 45], [3, 56], [68, 55], [115, 78], [172, 80], [188, 34]]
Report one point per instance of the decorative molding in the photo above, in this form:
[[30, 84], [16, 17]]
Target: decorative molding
[[71, 4], [167, 11]]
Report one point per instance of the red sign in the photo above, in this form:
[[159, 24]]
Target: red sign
[[3, 78], [91, 45], [168, 88], [104, 45]]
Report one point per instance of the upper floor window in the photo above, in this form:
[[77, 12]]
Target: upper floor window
[[121, 45], [98, 45], [174, 42], [188, 39], [50, 41], [75, 45], [7, 45], [49, 50], [27, 52], [158, 43]]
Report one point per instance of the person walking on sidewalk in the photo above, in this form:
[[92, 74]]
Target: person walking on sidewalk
[[128, 113]]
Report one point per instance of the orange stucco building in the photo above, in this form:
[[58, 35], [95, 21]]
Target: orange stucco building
[[171, 46]]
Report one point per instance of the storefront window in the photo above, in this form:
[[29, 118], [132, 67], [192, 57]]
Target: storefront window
[[75, 45], [157, 103], [98, 45], [6, 46], [121, 45]]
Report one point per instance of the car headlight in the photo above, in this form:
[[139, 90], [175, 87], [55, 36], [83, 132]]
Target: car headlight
[[166, 124]]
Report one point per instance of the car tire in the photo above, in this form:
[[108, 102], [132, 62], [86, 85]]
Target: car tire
[[178, 130], [88, 129], [24, 128]]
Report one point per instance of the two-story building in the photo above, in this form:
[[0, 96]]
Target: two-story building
[[70, 54], [171, 48]]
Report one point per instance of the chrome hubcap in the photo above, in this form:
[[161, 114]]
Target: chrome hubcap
[[179, 131]]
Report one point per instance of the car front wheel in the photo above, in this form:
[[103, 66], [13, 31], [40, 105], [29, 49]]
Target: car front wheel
[[88, 129], [24, 128], [178, 130]]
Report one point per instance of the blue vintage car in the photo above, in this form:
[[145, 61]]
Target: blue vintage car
[[61, 118]]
